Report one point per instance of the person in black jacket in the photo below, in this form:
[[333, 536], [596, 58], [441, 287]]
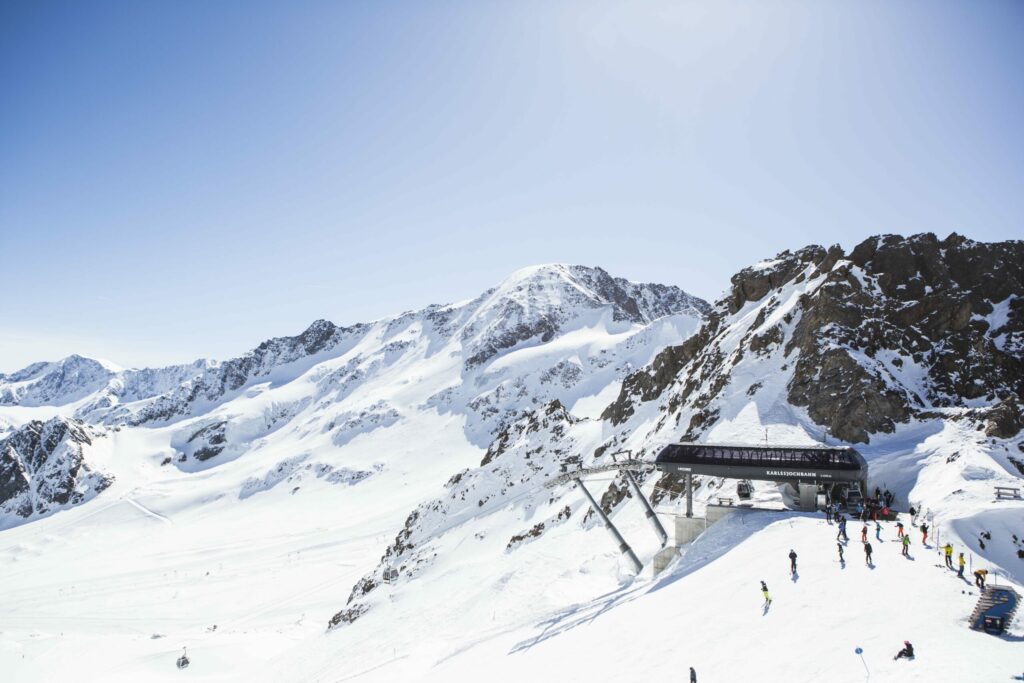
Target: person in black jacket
[[792, 561], [693, 675], [867, 553], [907, 651], [840, 546]]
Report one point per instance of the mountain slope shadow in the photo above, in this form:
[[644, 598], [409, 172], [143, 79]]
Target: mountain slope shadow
[[713, 544]]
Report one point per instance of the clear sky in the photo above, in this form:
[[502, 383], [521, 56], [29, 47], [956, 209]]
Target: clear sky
[[184, 179]]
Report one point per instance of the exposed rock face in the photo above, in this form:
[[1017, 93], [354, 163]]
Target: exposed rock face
[[869, 339], [42, 468], [1005, 420], [209, 441], [538, 302]]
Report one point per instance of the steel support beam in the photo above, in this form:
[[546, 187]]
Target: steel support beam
[[648, 510], [623, 546], [689, 495]]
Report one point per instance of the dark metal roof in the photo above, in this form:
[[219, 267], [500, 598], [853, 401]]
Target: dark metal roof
[[767, 462]]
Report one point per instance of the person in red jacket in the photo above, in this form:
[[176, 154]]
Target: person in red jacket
[[864, 534], [924, 534]]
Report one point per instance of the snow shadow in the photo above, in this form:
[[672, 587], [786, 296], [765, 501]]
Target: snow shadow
[[718, 540]]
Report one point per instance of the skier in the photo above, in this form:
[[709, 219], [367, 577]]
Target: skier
[[693, 675], [906, 546], [878, 531], [767, 598], [913, 512], [828, 514], [979, 578], [842, 529], [948, 550], [961, 562], [867, 553], [924, 534], [907, 651], [792, 561], [899, 529], [840, 546], [864, 534]]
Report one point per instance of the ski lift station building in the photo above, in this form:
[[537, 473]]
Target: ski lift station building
[[806, 468]]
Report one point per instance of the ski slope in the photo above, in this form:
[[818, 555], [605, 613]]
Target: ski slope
[[112, 590], [707, 611]]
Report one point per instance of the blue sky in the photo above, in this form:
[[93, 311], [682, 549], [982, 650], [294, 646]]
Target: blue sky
[[185, 179]]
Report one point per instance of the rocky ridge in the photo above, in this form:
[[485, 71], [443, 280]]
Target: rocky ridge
[[43, 468]]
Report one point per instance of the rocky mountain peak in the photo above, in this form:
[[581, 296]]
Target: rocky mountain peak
[[57, 383], [538, 302], [865, 340], [43, 468]]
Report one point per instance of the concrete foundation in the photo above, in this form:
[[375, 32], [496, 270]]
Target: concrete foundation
[[688, 529], [808, 497], [715, 512], [664, 558]]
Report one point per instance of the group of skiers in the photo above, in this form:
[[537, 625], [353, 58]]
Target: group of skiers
[[885, 499], [947, 552]]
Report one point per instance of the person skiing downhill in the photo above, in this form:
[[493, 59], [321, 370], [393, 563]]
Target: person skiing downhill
[[792, 561], [907, 651], [961, 562], [948, 552], [878, 531], [906, 546], [840, 546], [764, 589], [864, 534], [899, 529], [924, 534], [867, 553]]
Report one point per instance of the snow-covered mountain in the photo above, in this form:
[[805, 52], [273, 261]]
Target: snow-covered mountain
[[909, 347], [387, 480], [549, 332]]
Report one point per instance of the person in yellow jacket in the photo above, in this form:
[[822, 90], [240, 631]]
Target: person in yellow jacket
[[961, 562], [948, 550]]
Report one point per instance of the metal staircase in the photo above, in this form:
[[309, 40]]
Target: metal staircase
[[995, 609]]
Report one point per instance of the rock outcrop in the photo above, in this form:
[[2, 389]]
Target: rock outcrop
[[43, 468], [866, 340]]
